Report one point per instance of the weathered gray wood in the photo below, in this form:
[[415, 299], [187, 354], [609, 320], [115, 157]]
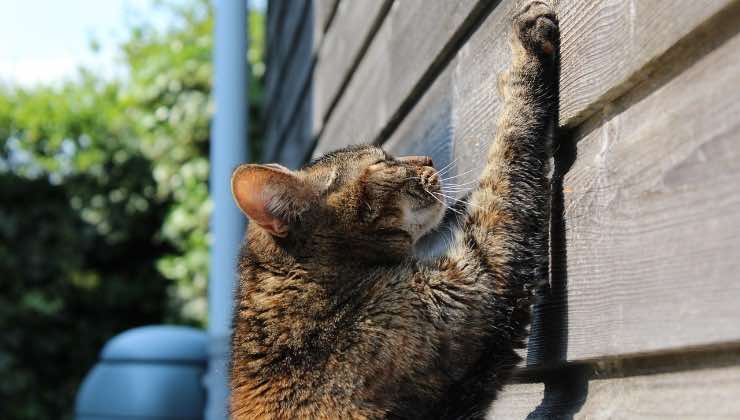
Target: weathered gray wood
[[412, 36], [272, 66], [286, 38], [322, 12], [428, 129], [286, 99], [652, 217], [275, 21], [270, 27], [295, 76], [274, 12], [352, 28], [292, 24], [298, 138], [608, 45], [697, 393], [652, 210]]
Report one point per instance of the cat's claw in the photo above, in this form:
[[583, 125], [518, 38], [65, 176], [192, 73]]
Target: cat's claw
[[536, 27]]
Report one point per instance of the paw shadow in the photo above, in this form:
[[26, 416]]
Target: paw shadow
[[566, 386]]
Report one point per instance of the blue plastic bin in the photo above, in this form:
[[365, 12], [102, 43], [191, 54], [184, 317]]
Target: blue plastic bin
[[148, 372]]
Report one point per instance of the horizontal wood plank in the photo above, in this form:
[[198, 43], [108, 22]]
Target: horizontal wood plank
[[609, 45], [428, 129], [411, 38], [298, 138], [651, 203], [322, 11], [273, 66], [293, 12], [602, 59], [294, 86], [273, 12], [351, 29], [651, 218], [297, 79], [646, 263], [694, 394]]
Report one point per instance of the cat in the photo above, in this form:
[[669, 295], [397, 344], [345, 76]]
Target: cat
[[336, 318]]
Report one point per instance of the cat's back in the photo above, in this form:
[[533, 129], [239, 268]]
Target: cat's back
[[294, 347]]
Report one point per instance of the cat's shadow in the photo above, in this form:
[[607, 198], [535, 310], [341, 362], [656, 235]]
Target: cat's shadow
[[566, 386]]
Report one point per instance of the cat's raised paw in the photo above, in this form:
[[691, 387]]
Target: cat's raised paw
[[536, 27]]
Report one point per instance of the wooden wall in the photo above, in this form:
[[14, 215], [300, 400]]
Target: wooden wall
[[642, 315]]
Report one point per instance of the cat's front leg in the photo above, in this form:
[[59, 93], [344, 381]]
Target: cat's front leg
[[510, 211], [503, 241]]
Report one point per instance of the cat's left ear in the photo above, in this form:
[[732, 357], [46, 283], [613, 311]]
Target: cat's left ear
[[270, 195]]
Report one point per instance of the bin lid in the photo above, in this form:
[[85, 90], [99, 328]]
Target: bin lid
[[158, 343]]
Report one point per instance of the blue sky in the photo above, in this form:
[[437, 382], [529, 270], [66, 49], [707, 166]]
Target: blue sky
[[46, 40]]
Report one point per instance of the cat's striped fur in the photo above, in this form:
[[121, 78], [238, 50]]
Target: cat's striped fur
[[335, 317]]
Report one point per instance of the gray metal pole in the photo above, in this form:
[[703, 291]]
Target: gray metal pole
[[228, 149]]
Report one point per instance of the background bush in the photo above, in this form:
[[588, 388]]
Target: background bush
[[103, 225]]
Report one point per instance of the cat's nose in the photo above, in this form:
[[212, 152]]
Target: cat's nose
[[417, 160]]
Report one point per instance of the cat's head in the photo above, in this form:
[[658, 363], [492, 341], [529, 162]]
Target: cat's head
[[358, 199]]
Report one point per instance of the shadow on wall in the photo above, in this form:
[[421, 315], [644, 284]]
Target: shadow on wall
[[566, 389]]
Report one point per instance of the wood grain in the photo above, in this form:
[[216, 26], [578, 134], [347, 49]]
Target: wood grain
[[428, 129], [293, 86], [351, 29], [322, 11], [285, 39], [647, 262], [297, 80], [695, 394], [411, 38], [609, 45], [298, 139], [273, 65], [652, 218], [651, 208], [651, 204]]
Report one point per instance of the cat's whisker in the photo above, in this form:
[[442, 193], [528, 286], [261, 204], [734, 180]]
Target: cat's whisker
[[460, 201], [458, 188], [446, 168], [443, 203], [453, 184], [465, 186], [459, 175]]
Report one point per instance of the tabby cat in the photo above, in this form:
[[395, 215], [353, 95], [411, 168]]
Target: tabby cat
[[336, 318]]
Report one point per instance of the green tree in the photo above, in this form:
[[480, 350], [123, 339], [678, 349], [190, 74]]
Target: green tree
[[79, 240], [169, 97], [105, 209]]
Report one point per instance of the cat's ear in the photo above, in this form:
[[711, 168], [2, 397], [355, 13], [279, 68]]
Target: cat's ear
[[270, 195]]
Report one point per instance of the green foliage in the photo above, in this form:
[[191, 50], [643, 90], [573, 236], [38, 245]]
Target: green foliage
[[78, 240], [256, 57], [104, 222], [169, 92]]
